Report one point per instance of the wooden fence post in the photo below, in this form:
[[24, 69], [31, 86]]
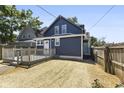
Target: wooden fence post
[[108, 61], [17, 58], [105, 59], [2, 53], [21, 49], [96, 55], [29, 51]]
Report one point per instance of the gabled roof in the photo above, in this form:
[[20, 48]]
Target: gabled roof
[[61, 17], [27, 28], [43, 30]]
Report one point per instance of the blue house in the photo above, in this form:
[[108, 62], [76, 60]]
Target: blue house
[[68, 39]]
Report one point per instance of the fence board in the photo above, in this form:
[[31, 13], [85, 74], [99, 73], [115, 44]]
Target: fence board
[[116, 56], [25, 55]]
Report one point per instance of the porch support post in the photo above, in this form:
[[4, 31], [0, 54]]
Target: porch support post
[[81, 47], [50, 49]]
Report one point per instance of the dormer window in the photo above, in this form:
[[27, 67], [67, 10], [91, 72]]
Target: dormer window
[[56, 30], [64, 29]]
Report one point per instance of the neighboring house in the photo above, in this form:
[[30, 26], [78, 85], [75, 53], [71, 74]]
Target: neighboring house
[[69, 40], [39, 33], [25, 38], [27, 34]]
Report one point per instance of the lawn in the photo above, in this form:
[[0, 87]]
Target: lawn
[[58, 73]]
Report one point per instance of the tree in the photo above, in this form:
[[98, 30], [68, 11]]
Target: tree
[[101, 41], [97, 42], [93, 41], [74, 20], [12, 20], [7, 22], [25, 18]]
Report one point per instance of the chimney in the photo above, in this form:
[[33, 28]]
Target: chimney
[[83, 28]]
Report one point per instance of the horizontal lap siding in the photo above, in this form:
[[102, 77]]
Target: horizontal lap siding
[[69, 47]]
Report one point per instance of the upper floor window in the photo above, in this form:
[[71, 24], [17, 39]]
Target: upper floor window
[[56, 30], [64, 29]]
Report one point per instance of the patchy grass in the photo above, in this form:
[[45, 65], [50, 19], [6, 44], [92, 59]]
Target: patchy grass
[[58, 73]]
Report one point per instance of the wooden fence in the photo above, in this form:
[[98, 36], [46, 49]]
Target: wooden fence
[[0, 52], [25, 56], [111, 58], [1, 46]]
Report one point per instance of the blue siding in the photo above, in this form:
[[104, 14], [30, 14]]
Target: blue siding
[[70, 28], [69, 47], [53, 43], [86, 48]]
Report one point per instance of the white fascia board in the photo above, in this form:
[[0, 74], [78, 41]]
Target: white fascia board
[[53, 37]]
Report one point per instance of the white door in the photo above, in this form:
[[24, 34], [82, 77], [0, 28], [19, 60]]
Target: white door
[[46, 47]]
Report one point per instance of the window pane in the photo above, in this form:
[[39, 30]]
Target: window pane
[[41, 42], [38, 42], [57, 42], [56, 29], [64, 28]]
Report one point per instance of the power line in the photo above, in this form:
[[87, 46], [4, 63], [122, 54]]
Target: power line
[[46, 11], [102, 17]]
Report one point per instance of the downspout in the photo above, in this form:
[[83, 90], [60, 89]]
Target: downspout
[[81, 47]]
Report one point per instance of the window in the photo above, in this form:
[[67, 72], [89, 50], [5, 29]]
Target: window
[[57, 41], [40, 42], [64, 29], [56, 30]]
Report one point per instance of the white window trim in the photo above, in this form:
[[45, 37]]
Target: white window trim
[[64, 27], [55, 30], [64, 36], [57, 40]]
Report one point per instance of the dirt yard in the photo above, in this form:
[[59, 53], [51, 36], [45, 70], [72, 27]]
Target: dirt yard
[[58, 73]]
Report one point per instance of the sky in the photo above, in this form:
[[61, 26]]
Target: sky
[[111, 27]]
